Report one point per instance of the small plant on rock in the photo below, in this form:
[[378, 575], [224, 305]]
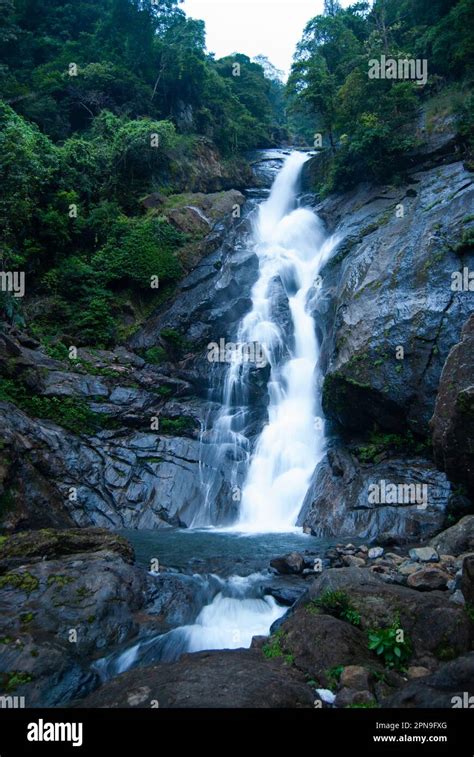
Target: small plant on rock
[[391, 644]]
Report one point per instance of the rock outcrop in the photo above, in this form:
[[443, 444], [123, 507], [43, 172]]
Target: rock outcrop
[[453, 420], [65, 598]]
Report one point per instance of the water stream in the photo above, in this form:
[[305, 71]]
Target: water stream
[[291, 248]]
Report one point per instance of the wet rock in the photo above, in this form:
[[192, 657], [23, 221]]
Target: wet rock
[[122, 478], [428, 579], [47, 544], [375, 552], [467, 580], [235, 679], [443, 689], [318, 643], [291, 563], [385, 260], [355, 677], [347, 697], [57, 613], [424, 554], [417, 671], [407, 568], [339, 501], [453, 419], [352, 561], [457, 539]]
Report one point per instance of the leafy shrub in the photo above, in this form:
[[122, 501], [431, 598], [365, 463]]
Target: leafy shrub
[[139, 249], [386, 642]]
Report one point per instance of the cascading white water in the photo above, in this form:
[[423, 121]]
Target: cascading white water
[[290, 244]]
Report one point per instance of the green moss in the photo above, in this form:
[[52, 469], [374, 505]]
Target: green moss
[[273, 648], [11, 680], [6, 640], [165, 391], [58, 580], [465, 403], [337, 604], [22, 581], [7, 503], [153, 460], [83, 592], [333, 676], [175, 426], [26, 618], [155, 355], [380, 443], [445, 652], [91, 618], [362, 705]]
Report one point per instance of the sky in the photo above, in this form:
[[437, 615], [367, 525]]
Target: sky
[[255, 27]]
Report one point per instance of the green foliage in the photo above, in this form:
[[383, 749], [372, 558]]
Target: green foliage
[[155, 356], [69, 412], [273, 648], [81, 148], [137, 250], [391, 644], [10, 680], [380, 443], [333, 676], [21, 581], [470, 612], [338, 604], [368, 123]]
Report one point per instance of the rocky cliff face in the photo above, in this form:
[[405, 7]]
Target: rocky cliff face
[[387, 316], [394, 299]]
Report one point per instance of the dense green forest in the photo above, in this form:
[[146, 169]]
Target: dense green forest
[[103, 103], [368, 123]]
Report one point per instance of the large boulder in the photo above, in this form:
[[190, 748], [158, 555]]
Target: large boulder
[[227, 679], [317, 643], [453, 420], [450, 686], [387, 309], [60, 610], [456, 539], [467, 580], [438, 629], [339, 502], [117, 478]]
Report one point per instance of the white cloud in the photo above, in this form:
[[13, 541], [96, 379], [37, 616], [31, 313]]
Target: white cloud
[[255, 27]]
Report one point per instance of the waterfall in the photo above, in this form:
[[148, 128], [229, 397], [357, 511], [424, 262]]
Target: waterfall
[[291, 248], [290, 244]]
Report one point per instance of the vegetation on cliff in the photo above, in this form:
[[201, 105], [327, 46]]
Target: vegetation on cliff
[[102, 104], [367, 119]]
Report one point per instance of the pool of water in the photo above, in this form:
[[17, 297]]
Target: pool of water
[[221, 552]]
